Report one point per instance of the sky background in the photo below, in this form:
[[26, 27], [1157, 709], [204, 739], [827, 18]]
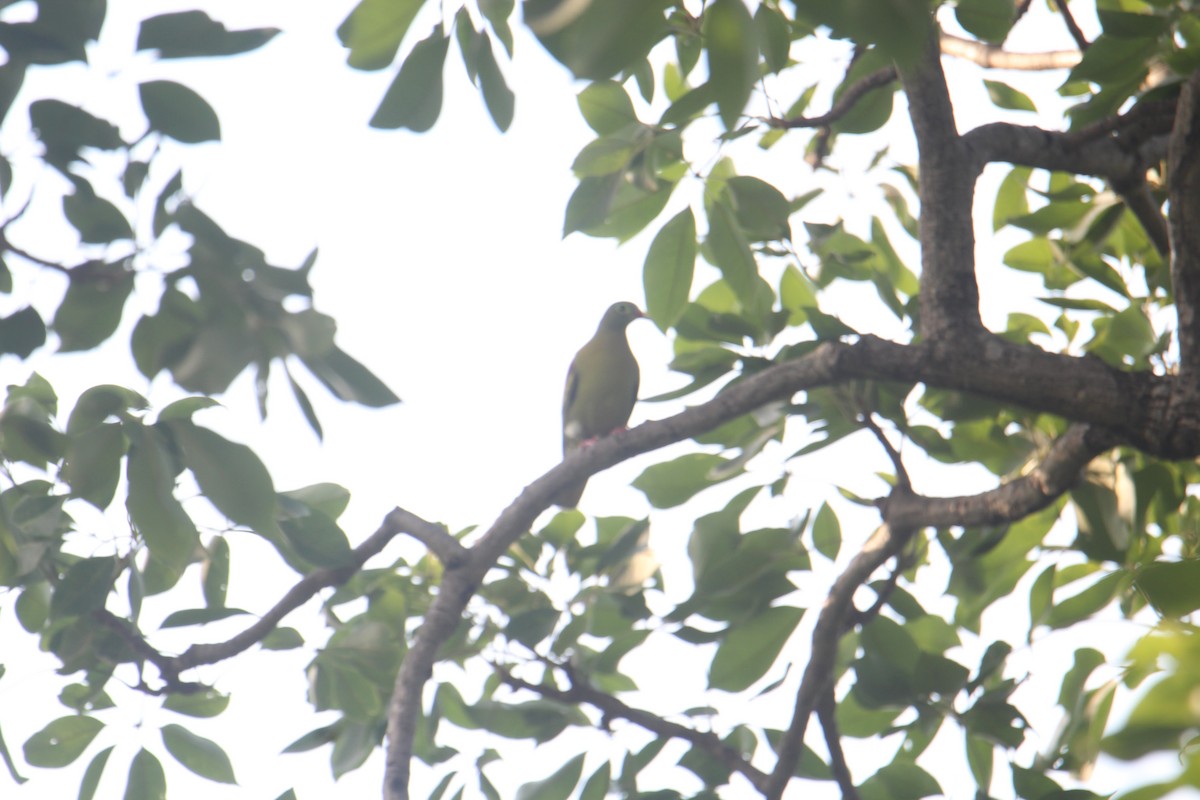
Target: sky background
[[441, 258]]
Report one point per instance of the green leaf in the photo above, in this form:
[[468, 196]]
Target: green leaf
[[179, 112], [146, 778], [731, 254], [750, 648], [604, 39], [349, 380], [92, 307], [199, 616], [989, 20], [188, 34], [202, 756], [774, 37], [673, 483], [498, 98], [899, 780], [556, 787], [606, 107], [667, 274], [1004, 96], [374, 30], [93, 773], [215, 578], [1086, 603], [62, 741], [230, 475], [22, 332], [84, 587], [205, 704], [827, 532], [1173, 588], [729, 40], [414, 98], [762, 211], [93, 463], [157, 515]]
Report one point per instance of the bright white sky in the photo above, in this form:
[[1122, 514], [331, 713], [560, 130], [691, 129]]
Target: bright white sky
[[442, 261]]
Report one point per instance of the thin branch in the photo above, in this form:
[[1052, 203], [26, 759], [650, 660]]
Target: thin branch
[[433, 536], [1038, 488], [827, 716], [848, 99], [398, 521], [30, 257], [905, 514], [991, 56], [1072, 25], [902, 479], [1146, 209], [580, 691], [830, 627]]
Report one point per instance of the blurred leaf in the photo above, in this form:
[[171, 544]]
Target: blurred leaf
[[62, 741], [558, 786], [188, 34], [179, 112], [606, 107], [414, 98], [667, 274], [729, 40], [22, 332], [202, 756], [374, 29], [750, 649], [899, 780], [146, 778], [673, 483], [601, 38], [1173, 588], [497, 95], [95, 300], [827, 532], [1004, 96], [230, 475], [989, 20]]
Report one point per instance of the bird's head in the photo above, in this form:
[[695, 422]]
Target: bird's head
[[619, 315]]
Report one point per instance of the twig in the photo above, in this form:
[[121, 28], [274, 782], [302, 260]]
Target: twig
[[847, 100], [902, 480], [580, 691], [991, 56], [1072, 25], [827, 716]]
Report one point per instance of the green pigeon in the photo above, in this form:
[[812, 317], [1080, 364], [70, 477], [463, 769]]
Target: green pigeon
[[602, 386]]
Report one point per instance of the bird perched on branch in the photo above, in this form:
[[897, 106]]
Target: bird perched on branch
[[602, 386]]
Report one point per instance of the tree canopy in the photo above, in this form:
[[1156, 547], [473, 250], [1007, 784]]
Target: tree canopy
[[861, 321]]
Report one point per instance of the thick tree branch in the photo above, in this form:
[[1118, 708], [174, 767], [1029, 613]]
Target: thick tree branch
[[1131, 405], [949, 294], [580, 691], [1183, 182], [1117, 149], [994, 57]]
